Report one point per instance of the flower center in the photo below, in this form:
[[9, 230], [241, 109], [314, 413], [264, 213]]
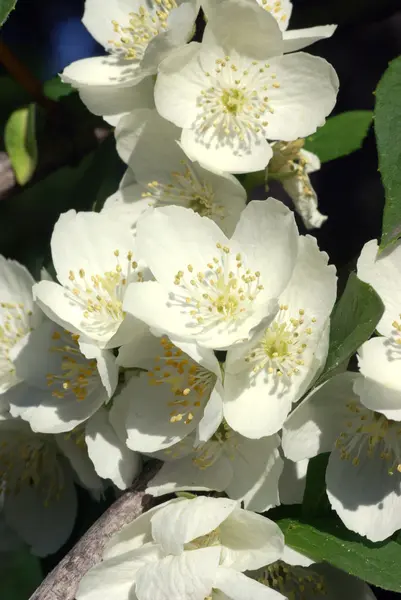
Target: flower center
[[236, 103], [295, 582], [186, 188], [276, 8], [281, 349], [101, 296], [77, 375], [27, 460], [205, 541], [222, 442], [14, 325], [143, 26], [190, 383], [371, 434], [223, 292]]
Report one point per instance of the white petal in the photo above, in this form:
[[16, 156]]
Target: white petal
[[236, 156], [315, 424], [296, 39], [365, 497], [243, 28], [133, 535], [189, 576], [268, 235], [292, 557], [305, 200], [378, 397], [249, 541], [339, 584], [257, 468], [383, 273], [178, 86], [212, 415], [103, 71], [114, 101], [98, 17], [292, 481], [148, 418], [111, 458], [172, 237], [306, 94], [106, 365], [181, 522], [238, 586], [183, 474], [115, 577], [44, 527]]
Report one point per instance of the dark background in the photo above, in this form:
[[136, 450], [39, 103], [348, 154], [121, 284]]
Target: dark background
[[47, 35]]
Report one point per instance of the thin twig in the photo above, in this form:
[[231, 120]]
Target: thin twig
[[62, 582]]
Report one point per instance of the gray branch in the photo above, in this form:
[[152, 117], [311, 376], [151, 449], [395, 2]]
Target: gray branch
[[62, 582]]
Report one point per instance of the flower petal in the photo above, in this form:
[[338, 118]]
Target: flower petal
[[305, 94], [237, 586], [315, 424], [249, 541], [297, 39], [292, 481], [383, 273], [103, 71], [111, 458], [181, 522]]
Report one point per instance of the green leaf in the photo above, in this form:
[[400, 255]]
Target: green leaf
[[353, 321], [56, 89], [103, 176], [340, 135], [327, 539], [315, 501], [6, 6], [20, 574], [20, 142], [388, 136]]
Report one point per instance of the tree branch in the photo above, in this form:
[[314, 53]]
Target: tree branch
[[62, 582]]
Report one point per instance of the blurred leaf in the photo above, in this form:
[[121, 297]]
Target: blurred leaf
[[315, 501], [12, 96], [20, 142], [388, 135], [20, 575], [327, 539], [353, 321], [56, 89], [340, 135], [6, 6]]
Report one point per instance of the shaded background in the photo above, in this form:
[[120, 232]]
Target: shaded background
[[47, 35]]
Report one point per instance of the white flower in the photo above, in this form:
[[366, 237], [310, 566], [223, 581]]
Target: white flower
[[236, 89], [180, 393], [210, 289], [94, 261], [160, 174], [380, 358], [138, 34], [363, 476], [18, 316], [59, 388], [187, 550], [292, 165], [264, 376], [298, 578], [40, 500], [247, 470]]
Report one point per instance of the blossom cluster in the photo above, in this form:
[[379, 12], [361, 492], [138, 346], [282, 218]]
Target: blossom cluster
[[189, 325]]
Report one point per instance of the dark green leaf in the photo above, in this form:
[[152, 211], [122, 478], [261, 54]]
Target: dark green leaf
[[388, 135], [315, 502], [20, 575], [6, 6], [353, 321], [340, 135], [327, 539], [20, 142], [56, 89], [104, 174]]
